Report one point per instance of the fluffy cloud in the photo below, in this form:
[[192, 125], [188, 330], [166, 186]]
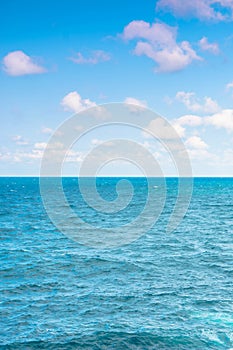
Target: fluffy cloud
[[203, 9], [17, 63], [97, 57], [198, 150], [211, 47], [189, 120], [222, 119], [135, 105], [75, 103], [194, 104], [179, 129], [196, 142], [158, 42]]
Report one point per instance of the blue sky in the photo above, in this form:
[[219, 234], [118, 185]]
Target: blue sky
[[61, 56]]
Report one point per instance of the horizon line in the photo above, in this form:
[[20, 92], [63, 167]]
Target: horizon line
[[117, 176]]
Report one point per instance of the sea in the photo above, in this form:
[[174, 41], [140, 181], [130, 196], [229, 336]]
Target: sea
[[163, 290]]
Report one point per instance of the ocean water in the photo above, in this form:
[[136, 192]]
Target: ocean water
[[163, 291]]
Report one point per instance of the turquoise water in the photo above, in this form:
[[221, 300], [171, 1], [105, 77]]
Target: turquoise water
[[163, 291]]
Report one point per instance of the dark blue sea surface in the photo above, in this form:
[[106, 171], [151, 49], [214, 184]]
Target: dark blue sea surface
[[163, 291]]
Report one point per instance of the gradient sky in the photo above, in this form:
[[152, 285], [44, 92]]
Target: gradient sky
[[59, 57]]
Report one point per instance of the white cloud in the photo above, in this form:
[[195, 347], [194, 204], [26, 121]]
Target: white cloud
[[96, 142], [190, 120], [157, 32], [74, 156], [158, 42], [97, 57], [229, 86], [194, 104], [228, 156], [196, 142], [211, 47], [202, 155], [17, 63], [19, 140], [40, 145], [135, 101], [198, 149], [179, 129], [223, 119], [203, 9], [47, 130], [37, 152], [164, 131], [75, 103]]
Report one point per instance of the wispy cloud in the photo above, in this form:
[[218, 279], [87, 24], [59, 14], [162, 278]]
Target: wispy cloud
[[19, 140], [40, 145], [17, 63], [96, 57], [46, 130], [195, 104], [229, 86], [158, 42], [217, 10], [36, 153], [211, 47]]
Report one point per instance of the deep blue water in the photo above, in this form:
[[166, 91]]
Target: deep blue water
[[163, 291]]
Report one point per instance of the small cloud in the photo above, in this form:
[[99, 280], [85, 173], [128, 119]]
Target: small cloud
[[135, 101], [163, 130], [74, 157], [96, 57], [194, 104], [102, 96], [168, 100], [197, 154], [79, 128], [229, 86], [19, 140], [211, 47], [40, 145], [196, 142], [96, 142], [75, 103], [17, 63], [190, 120], [158, 42], [37, 152], [47, 131]]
